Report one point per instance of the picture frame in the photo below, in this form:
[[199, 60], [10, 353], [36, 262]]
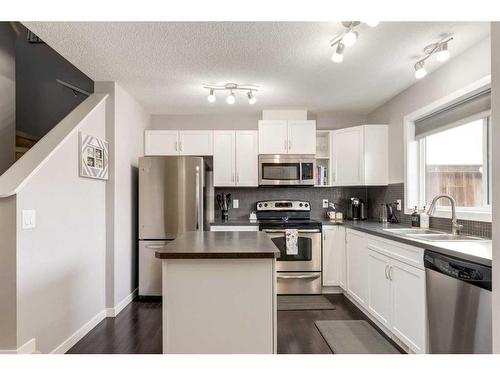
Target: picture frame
[[93, 158]]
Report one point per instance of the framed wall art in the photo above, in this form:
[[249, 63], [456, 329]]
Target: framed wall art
[[93, 157]]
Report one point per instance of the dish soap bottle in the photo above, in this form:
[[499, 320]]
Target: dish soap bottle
[[415, 218], [424, 220]]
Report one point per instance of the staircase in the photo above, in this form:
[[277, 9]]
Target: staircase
[[24, 142]]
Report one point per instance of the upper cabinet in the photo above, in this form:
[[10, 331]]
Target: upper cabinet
[[175, 142], [359, 156], [235, 158], [287, 137]]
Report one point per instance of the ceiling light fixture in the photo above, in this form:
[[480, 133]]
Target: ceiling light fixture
[[211, 97], [338, 55], [420, 71], [232, 87], [372, 23], [440, 49], [346, 38], [251, 99]]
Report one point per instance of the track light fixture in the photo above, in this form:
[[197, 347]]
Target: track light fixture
[[232, 87], [440, 49], [346, 38]]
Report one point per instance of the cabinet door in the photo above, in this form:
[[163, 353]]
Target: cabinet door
[[348, 156], [379, 286], [408, 305], [333, 249], [161, 142], [343, 258], [273, 137], [247, 153], [196, 142], [302, 137], [357, 280], [224, 156]]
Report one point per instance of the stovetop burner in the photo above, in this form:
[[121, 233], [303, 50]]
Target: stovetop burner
[[282, 214]]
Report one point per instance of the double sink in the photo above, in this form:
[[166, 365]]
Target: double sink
[[430, 235]]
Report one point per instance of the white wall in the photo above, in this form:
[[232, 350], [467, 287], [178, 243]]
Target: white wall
[[327, 120], [495, 103], [125, 124], [60, 263], [460, 71], [7, 97]]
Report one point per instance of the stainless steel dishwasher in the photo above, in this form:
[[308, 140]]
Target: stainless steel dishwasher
[[458, 305]]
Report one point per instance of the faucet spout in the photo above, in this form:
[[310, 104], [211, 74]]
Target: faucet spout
[[455, 226]]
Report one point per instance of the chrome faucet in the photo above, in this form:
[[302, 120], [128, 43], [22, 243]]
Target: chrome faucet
[[455, 227]]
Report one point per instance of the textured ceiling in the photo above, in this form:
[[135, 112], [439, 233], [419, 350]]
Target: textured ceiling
[[163, 65]]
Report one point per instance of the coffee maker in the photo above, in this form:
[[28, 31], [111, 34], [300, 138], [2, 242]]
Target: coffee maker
[[356, 209]]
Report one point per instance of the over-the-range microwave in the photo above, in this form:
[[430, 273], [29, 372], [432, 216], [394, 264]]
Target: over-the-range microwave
[[286, 170]]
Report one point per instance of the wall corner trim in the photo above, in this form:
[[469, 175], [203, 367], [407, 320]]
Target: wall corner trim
[[112, 312]]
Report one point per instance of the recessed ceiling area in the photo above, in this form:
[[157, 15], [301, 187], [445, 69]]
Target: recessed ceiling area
[[164, 65]]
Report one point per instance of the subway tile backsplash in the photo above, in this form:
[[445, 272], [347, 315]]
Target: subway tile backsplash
[[375, 196]]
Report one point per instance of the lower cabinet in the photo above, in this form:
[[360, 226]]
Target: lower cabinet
[[379, 287], [357, 266], [333, 255]]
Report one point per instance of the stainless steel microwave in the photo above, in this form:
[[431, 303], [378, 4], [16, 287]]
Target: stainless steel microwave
[[287, 170]]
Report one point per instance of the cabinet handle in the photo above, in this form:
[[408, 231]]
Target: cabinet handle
[[390, 274], [175, 145], [180, 146], [386, 274], [285, 145], [237, 177], [290, 145]]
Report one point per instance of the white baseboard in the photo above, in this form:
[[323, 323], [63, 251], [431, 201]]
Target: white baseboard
[[331, 290], [27, 348], [78, 335], [112, 312]]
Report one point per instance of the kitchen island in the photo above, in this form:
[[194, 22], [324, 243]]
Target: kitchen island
[[219, 293]]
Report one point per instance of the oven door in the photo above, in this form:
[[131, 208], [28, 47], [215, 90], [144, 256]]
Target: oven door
[[308, 258]]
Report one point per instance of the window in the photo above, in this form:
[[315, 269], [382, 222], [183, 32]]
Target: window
[[456, 161]]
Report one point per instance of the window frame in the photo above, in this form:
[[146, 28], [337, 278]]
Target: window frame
[[414, 185]]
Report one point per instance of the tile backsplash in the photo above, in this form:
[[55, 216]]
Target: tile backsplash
[[375, 196]]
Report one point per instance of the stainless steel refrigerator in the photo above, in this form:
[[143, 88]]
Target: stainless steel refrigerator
[[175, 196]]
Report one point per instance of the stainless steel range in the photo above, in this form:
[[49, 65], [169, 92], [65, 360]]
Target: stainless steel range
[[299, 273]]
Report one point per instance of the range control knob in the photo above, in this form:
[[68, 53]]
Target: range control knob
[[307, 205], [260, 205], [300, 204], [265, 204]]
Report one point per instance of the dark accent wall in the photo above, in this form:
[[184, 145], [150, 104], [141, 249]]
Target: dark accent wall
[[41, 102], [375, 196]]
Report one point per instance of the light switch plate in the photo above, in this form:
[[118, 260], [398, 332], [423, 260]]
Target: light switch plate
[[236, 203], [398, 203], [325, 203], [29, 219]]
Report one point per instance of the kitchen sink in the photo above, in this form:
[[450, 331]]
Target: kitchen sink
[[409, 231], [444, 237]]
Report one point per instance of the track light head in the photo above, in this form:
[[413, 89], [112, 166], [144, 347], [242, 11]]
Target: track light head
[[442, 53], [420, 71], [251, 99], [211, 97], [350, 38], [231, 99], [338, 55]]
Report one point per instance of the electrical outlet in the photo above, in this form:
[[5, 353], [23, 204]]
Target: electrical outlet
[[398, 204], [325, 203], [236, 203]]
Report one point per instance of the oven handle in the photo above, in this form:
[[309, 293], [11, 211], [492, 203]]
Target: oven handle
[[298, 276], [300, 230]]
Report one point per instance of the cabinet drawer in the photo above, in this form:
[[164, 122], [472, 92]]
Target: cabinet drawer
[[411, 255]]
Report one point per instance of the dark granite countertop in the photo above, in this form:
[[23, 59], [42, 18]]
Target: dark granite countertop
[[474, 251], [216, 245]]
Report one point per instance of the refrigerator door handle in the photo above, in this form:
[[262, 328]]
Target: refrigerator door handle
[[197, 205]]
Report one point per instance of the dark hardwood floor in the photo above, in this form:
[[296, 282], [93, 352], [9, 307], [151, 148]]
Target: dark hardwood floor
[[137, 330]]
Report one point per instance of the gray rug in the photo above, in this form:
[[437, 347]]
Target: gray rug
[[313, 302], [354, 337]]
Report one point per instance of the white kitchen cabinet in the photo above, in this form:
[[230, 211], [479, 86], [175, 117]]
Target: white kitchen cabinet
[[379, 286], [235, 158], [409, 305], [287, 137], [302, 137], [196, 142], [247, 158], [224, 158], [359, 156], [175, 142], [333, 253], [357, 266], [161, 142]]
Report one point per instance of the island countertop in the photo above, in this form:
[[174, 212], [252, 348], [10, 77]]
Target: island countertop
[[216, 245]]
